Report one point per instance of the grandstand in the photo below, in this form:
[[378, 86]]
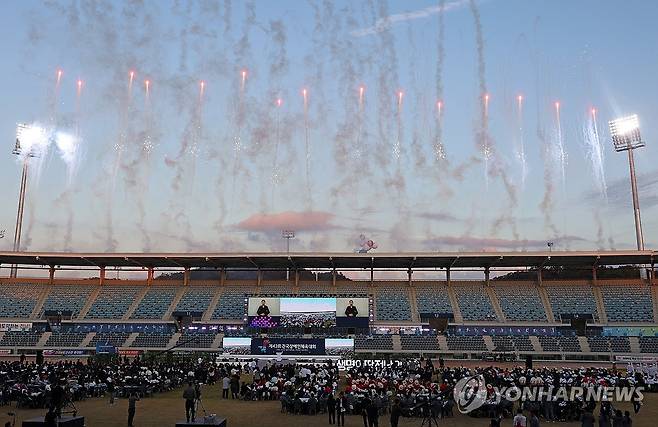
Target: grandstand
[[521, 317]]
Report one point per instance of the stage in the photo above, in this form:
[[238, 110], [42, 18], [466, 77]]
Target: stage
[[218, 421], [64, 421]]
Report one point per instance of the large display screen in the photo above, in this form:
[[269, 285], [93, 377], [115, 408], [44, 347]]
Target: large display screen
[[266, 312], [236, 345]]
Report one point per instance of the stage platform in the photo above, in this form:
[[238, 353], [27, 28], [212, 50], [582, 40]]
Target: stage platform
[[219, 421], [65, 421]]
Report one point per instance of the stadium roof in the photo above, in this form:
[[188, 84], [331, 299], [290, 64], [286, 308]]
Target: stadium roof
[[339, 261]]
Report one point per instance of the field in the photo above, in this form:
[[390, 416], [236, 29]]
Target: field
[[167, 408]]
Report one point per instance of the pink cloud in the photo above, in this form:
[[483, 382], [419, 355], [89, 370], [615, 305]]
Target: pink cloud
[[298, 221]]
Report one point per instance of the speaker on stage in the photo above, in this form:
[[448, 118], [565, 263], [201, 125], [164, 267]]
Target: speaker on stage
[[528, 361], [39, 357]]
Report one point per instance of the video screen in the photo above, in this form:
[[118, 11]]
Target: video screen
[[236, 345], [338, 346], [308, 312], [352, 312]]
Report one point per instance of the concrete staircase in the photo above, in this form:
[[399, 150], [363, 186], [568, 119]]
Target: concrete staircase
[[135, 304], [456, 310], [495, 303], [397, 343], [547, 303], [488, 341], [415, 315], [174, 339], [39, 305], [536, 345], [217, 342], [584, 345], [87, 339], [443, 342], [598, 297], [130, 340], [90, 301], [179, 294], [635, 344], [213, 303], [43, 339]]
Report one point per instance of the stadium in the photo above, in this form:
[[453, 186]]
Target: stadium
[[369, 212]]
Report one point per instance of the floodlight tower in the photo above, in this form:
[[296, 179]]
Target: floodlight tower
[[288, 234], [626, 136], [21, 130]]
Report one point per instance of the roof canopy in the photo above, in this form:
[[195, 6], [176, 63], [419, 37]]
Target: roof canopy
[[329, 260]]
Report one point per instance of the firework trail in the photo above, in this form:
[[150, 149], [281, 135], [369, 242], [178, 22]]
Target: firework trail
[[237, 138], [482, 134], [560, 154], [277, 141], [358, 150], [36, 163], [594, 152], [307, 146], [520, 145], [397, 147], [439, 149], [66, 196], [122, 139]]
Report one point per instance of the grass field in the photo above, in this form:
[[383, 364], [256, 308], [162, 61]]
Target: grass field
[[168, 408]]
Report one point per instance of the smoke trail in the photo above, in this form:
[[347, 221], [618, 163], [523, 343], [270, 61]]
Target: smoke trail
[[594, 153], [547, 204], [520, 145], [482, 134], [439, 149], [307, 157], [560, 154]]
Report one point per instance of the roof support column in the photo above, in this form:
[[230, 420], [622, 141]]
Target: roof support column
[[101, 280], [259, 277], [486, 276], [448, 276], [222, 277], [539, 281], [51, 275], [372, 276], [296, 277], [594, 275], [186, 276], [333, 277], [409, 274], [149, 277]]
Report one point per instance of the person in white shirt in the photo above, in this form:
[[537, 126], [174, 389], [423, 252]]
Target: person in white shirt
[[519, 419]]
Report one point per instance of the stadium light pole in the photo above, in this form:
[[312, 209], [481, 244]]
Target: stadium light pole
[[288, 234], [21, 129], [626, 136]]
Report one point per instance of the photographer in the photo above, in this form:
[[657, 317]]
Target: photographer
[[190, 397]]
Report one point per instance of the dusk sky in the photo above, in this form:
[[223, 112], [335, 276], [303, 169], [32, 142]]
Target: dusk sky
[[334, 129]]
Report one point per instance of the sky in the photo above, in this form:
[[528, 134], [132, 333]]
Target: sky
[[396, 120]]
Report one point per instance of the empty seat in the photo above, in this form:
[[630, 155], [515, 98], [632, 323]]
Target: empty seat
[[155, 303], [572, 299], [393, 304], [520, 303], [112, 302], [627, 303], [18, 300], [474, 302]]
